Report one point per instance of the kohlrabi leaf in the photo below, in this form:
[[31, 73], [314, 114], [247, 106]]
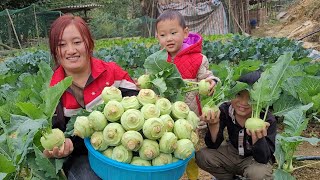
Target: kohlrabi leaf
[[295, 120], [160, 85], [280, 174], [31, 110], [279, 153], [316, 102], [222, 89], [20, 135], [155, 62], [285, 104], [52, 96], [267, 89], [165, 77], [6, 165], [305, 88], [245, 67], [51, 167], [295, 139]]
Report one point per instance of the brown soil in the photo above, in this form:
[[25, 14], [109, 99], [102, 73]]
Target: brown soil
[[300, 19]]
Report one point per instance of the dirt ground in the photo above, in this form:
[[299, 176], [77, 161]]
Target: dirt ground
[[296, 22]]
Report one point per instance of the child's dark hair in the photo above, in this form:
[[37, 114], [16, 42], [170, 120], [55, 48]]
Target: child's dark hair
[[250, 78], [171, 14]]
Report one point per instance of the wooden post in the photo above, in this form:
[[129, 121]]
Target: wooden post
[[14, 30], [36, 22], [152, 11], [230, 19]]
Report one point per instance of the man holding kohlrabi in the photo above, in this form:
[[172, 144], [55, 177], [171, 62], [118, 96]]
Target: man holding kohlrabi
[[248, 153]]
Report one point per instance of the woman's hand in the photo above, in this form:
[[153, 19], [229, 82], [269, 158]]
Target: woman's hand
[[65, 150], [212, 117], [212, 85], [135, 80], [259, 133]]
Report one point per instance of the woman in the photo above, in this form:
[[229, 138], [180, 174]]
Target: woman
[[71, 46]]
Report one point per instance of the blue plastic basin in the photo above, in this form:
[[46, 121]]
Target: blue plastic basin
[[109, 169]]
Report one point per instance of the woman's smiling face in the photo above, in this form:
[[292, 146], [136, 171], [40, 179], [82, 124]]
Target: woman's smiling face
[[72, 52]]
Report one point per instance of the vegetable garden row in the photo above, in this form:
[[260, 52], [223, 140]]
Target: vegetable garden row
[[289, 87]]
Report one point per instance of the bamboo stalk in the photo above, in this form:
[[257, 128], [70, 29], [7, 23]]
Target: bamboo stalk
[[35, 19], [243, 22], [14, 30]]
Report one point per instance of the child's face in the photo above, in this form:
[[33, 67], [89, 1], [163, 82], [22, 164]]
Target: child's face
[[171, 35], [241, 104]]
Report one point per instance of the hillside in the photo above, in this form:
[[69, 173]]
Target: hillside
[[296, 22]]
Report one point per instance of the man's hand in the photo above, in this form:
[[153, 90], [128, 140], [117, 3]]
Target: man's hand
[[259, 133], [65, 150]]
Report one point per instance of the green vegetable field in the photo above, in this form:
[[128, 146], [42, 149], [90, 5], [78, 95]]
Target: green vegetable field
[[290, 88]]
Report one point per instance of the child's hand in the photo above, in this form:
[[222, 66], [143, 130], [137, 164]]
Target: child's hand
[[212, 85], [64, 151], [258, 134], [211, 118]]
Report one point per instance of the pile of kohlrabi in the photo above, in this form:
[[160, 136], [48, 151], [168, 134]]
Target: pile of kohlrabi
[[144, 130]]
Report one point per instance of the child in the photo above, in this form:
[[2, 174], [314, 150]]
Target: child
[[248, 154], [184, 50]]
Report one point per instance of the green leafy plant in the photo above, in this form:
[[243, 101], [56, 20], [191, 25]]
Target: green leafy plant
[[287, 142], [164, 77], [20, 142], [267, 90]]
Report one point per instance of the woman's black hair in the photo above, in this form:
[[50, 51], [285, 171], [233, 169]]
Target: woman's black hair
[[250, 78]]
